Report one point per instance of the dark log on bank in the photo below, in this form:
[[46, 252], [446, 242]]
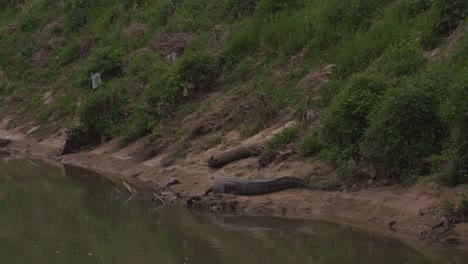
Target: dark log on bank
[[221, 159]]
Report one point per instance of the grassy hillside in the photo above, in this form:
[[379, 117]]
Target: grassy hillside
[[396, 100]]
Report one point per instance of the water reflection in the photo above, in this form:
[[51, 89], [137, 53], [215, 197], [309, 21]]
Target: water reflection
[[56, 214]]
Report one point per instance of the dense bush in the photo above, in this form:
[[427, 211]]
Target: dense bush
[[238, 9], [454, 112], [270, 7], [107, 61], [4, 4], [70, 52], [104, 111], [401, 59], [403, 132], [199, 69], [347, 117], [448, 15], [77, 13], [309, 145]]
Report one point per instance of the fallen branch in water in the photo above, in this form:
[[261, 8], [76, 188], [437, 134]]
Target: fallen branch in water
[[160, 199], [130, 189]]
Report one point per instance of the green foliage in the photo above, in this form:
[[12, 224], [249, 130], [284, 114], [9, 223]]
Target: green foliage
[[104, 111], [457, 213], [107, 61], [70, 52], [448, 14], [375, 44], [270, 7], [463, 203], [28, 21], [282, 138], [355, 52], [239, 9], [454, 112], [4, 4], [76, 11], [180, 152], [199, 69], [448, 207], [194, 15], [347, 118], [162, 92], [241, 42], [347, 170], [309, 145], [403, 132], [401, 59], [28, 50]]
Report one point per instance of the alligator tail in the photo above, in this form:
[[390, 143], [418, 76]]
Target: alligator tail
[[293, 182]]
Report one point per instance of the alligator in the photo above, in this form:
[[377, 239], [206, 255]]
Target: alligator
[[255, 187]]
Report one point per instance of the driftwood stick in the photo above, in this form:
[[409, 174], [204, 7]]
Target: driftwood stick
[[221, 159], [160, 199], [130, 189], [128, 200]]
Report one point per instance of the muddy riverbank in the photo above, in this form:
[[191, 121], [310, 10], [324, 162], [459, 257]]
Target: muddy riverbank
[[409, 214]]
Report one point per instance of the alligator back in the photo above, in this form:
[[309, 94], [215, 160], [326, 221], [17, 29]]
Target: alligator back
[[257, 187]]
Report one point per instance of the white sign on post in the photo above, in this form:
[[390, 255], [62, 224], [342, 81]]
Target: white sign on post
[[172, 57], [96, 80]]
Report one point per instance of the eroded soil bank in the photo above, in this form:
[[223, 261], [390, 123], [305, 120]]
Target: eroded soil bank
[[409, 214]]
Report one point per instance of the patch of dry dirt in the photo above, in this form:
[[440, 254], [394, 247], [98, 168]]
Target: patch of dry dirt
[[315, 79], [135, 30], [40, 58], [169, 43]]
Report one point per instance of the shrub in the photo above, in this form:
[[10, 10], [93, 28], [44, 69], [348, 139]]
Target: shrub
[[238, 9], [309, 145], [76, 13], [454, 112], [107, 61], [448, 207], [70, 52], [403, 132], [243, 41], [141, 122], [400, 59], [282, 138], [348, 170], [104, 111], [162, 92], [448, 14], [199, 69], [347, 117], [270, 7], [28, 20]]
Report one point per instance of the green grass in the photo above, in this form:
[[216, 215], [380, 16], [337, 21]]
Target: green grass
[[244, 48]]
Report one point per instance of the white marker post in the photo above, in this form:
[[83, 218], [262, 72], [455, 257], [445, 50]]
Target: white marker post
[[96, 80]]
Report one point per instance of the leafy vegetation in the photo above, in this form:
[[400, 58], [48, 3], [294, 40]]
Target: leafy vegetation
[[393, 101]]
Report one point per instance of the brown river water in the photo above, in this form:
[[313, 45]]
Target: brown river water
[[61, 214]]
